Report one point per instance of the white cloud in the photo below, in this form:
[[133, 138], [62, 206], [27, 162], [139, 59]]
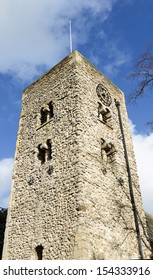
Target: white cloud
[[143, 146], [35, 32], [6, 166], [117, 58]]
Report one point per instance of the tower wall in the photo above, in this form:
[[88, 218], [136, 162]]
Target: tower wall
[[70, 189]]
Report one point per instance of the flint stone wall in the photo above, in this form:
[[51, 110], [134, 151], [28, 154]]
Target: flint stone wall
[[76, 204]]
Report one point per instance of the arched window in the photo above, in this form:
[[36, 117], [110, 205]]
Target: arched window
[[41, 153], [46, 113], [39, 251], [45, 151]]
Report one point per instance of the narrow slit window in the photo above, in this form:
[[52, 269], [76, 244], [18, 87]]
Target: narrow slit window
[[39, 251], [49, 151], [43, 116], [51, 112]]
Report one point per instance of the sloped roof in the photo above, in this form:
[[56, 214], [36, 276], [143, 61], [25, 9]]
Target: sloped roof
[[74, 56]]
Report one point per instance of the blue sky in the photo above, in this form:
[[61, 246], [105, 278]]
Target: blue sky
[[35, 36]]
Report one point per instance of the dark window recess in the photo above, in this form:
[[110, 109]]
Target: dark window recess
[[45, 151], [41, 153], [39, 251], [43, 116], [51, 113], [104, 119], [49, 150], [46, 113], [104, 114]]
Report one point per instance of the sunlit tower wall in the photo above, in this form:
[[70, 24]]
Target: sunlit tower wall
[[74, 168]]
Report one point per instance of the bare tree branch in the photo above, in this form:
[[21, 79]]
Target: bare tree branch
[[143, 75]]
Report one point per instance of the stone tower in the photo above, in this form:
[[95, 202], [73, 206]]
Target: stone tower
[[75, 191]]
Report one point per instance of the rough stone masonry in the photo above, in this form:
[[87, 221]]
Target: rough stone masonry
[[70, 195]]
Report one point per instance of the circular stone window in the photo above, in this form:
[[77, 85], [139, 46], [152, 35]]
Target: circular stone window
[[104, 95]]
